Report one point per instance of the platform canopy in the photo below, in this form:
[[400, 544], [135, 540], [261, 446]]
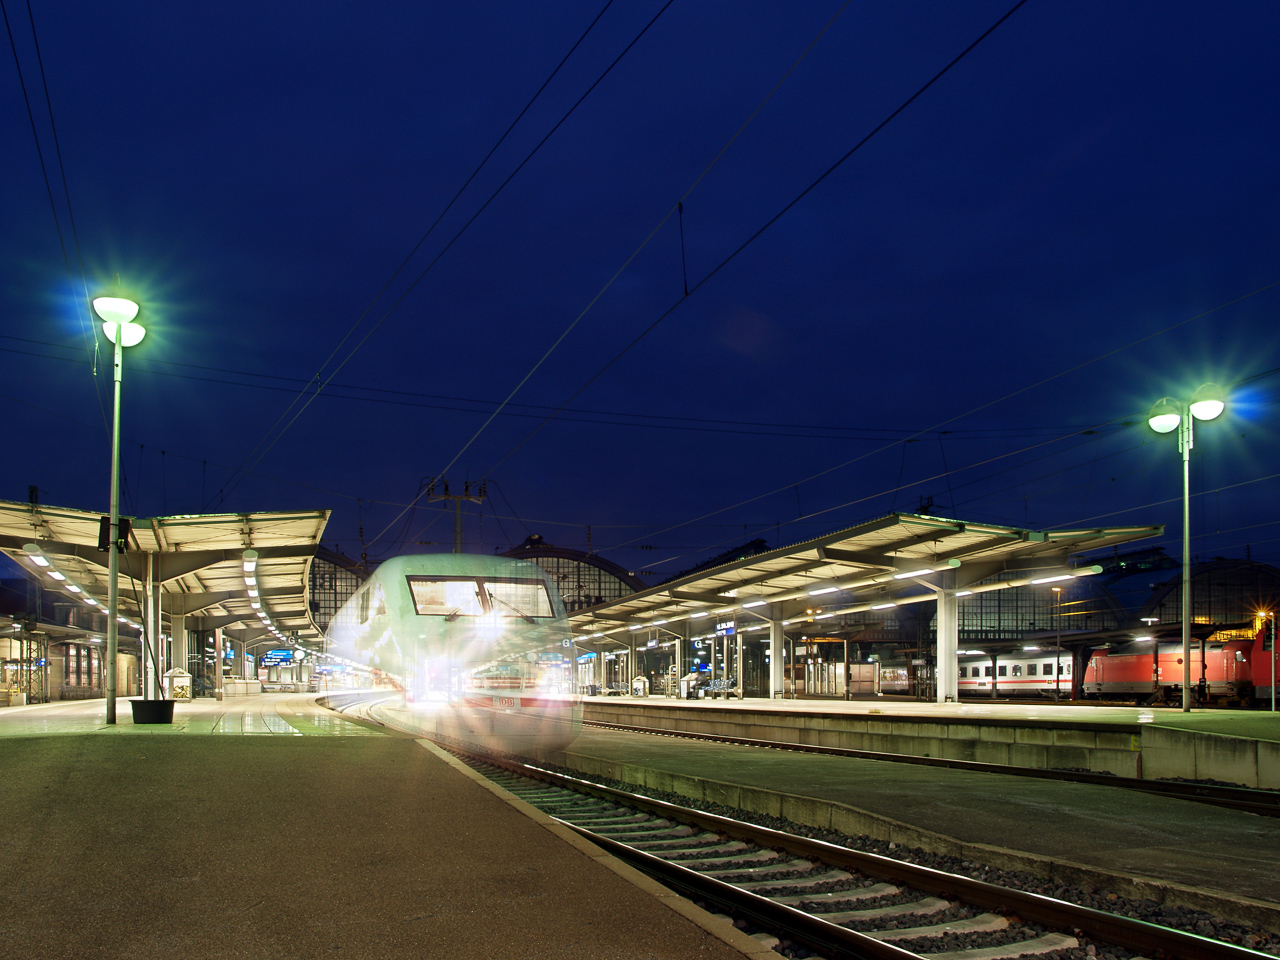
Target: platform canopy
[[195, 563], [899, 558]]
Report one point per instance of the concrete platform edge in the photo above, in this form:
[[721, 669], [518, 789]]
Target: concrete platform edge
[[717, 927], [852, 821]]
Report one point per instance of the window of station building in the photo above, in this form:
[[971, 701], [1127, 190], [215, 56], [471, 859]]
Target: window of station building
[[1017, 669], [1003, 671]]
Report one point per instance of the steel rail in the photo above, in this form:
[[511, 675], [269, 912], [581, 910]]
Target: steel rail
[[1136, 935], [1263, 802]]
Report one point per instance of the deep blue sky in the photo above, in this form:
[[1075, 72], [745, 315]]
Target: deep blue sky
[[1028, 251]]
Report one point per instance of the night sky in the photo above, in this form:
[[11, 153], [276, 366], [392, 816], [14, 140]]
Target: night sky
[[975, 308]]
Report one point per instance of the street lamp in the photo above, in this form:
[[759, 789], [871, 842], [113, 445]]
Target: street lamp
[[1057, 644], [118, 323], [1166, 416]]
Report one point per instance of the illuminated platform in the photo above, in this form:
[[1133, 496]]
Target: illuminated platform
[[1235, 746], [303, 835], [1135, 844]]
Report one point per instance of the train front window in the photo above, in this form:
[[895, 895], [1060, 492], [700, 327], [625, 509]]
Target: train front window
[[446, 596], [518, 598]]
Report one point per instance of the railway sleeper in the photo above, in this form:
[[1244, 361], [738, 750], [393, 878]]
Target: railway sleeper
[[983, 923], [680, 834], [763, 887], [684, 838], [696, 854], [786, 866], [816, 899], [732, 857], [1049, 943], [916, 908], [593, 820]]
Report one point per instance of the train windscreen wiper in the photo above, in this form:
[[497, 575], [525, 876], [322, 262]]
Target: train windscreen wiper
[[518, 612]]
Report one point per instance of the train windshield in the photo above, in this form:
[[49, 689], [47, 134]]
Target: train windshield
[[446, 596], [519, 598], [454, 597]]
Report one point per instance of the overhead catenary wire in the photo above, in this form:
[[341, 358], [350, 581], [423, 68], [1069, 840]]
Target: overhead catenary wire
[[457, 236], [91, 341], [619, 418], [636, 252], [765, 227], [983, 406]]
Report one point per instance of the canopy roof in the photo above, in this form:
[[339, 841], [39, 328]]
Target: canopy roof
[[880, 560], [196, 561]]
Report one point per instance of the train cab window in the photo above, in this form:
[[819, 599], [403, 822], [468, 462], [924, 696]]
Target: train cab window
[[1017, 669], [519, 598], [1002, 671], [1031, 669], [1239, 656], [446, 596], [986, 671]]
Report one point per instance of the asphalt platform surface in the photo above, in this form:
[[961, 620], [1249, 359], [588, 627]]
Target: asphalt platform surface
[[145, 842]]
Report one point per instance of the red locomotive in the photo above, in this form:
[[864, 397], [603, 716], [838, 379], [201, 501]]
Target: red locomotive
[[1235, 668]]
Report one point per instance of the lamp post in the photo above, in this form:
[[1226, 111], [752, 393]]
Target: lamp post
[[117, 323], [1057, 644], [1166, 416]]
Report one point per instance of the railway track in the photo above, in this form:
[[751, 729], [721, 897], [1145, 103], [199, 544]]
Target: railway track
[[1263, 802], [832, 901]]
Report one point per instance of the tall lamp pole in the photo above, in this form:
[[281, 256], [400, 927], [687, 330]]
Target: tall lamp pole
[[1057, 643], [117, 323], [1166, 416]]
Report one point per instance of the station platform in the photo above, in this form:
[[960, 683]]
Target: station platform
[[1131, 843], [267, 826], [1232, 746]]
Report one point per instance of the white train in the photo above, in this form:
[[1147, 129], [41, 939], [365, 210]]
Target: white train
[[1022, 673], [1036, 673], [478, 647]]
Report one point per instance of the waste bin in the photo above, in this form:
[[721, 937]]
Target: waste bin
[[640, 687], [177, 684]]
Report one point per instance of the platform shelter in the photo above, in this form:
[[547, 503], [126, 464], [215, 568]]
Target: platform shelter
[[889, 562]]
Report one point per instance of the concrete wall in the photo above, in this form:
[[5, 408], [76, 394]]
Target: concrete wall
[[1145, 750], [1097, 747]]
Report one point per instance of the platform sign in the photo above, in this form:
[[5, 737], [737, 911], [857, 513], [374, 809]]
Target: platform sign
[[726, 629], [277, 658]]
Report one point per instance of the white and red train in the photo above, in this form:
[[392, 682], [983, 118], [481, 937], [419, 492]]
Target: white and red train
[[1236, 669]]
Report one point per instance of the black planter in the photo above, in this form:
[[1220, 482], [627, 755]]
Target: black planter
[[152, 711]]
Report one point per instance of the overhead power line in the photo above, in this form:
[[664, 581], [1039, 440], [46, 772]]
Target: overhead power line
[[321, 383], [758, 233]]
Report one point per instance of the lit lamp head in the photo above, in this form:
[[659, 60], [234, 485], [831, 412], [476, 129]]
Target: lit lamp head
[[1164, 416], [1208, 402], [117, 319]]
